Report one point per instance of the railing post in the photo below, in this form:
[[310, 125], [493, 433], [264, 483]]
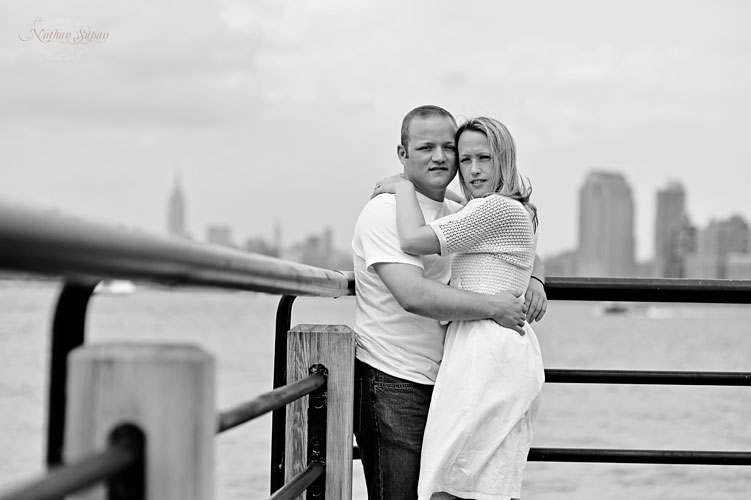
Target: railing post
[[167, 391], [68, 333], [333, 348], [278, 422]]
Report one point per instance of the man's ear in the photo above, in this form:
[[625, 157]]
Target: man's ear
[[401, 152]]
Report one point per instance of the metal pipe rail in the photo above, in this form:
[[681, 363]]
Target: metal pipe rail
[[122, 455], [622, 456], [269, 401], [300, 482], [600, 455], [55, 245], [647, 377], [714, 291], [275, 400]]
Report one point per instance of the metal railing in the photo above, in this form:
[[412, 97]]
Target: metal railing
[[269, 401], [120, 465], [315, 385], [592, 289], [647, 290], [84, 253], [708, 291]]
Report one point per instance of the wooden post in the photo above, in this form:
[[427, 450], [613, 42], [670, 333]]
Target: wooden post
[[165, 390], [332, 346]]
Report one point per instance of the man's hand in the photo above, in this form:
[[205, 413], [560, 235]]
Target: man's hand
[[509, 311], [536, 301]]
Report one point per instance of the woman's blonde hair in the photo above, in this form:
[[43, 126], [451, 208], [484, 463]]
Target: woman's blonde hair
[[506, 178]]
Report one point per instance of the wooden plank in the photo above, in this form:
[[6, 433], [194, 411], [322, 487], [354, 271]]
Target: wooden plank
[[334, 347], [165, 390]]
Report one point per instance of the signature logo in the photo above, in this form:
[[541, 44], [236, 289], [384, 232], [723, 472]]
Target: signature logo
[[63, 38]]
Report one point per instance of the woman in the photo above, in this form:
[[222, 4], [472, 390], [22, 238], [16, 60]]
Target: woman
[[485, 399]]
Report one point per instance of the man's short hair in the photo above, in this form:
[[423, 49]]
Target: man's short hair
[[422, 112]]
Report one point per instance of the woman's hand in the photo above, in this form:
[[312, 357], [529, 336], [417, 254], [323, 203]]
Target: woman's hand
[[388, 185], [455, 197]]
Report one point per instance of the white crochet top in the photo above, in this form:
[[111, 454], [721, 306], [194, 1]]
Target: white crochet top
[[494, 242]]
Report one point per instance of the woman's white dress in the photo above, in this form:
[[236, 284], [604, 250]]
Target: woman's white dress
[[485, 400]]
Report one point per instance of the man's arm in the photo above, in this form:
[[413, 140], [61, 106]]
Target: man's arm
[[426, 297], [535, 298]]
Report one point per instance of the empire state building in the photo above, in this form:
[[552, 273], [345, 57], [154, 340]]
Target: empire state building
[[176, 211]]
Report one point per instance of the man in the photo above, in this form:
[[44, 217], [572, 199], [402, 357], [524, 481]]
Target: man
[[401, 301]]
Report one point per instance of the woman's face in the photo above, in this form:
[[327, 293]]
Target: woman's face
[[476, 163]]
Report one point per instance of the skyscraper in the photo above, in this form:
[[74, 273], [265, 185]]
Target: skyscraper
[[606, 226], [671, 224], [278, 238], [219, 234], [176, 211], [714, 244]]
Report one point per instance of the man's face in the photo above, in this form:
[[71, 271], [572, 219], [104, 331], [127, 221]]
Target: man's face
[[430, 157]]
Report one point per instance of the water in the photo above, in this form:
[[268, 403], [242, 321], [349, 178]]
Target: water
[[237, 328]]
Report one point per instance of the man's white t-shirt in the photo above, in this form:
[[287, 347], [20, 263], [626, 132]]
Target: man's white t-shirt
[[389, 338]]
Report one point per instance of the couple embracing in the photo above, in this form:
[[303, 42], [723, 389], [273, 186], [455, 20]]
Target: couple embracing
[[448, 369]]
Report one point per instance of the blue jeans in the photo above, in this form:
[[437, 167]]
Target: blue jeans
[[390, 415]]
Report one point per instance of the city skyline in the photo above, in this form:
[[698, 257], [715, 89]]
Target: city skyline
[[721, 249], [605, 246], [315, 249]]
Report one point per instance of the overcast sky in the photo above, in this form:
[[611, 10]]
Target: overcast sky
[[289, 111]]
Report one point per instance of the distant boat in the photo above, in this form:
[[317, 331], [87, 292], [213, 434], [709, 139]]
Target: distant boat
[[654, 312], [614, 308], [115, 287]]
